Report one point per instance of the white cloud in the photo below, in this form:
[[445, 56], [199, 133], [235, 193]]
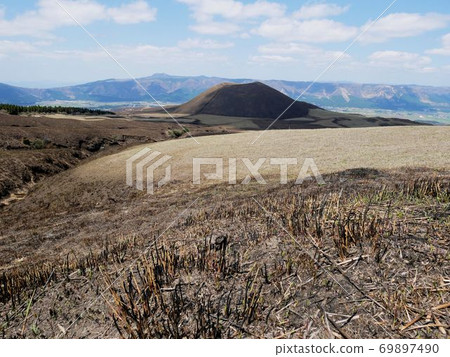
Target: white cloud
[[312, 56], [400, 25], [133, 13], [16, 47], [206, 44], [271, 59], [320, 11], [231, 9], [313, 31], [49, 16], [230, 12], [445, 50], [403, 60]]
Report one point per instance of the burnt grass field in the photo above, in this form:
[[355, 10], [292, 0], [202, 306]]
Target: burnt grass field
[[364, 256], [36, 147]]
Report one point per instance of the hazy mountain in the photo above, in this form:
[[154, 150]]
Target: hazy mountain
[[16, 95], [177, 89]]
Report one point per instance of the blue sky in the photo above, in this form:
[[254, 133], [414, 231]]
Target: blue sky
[[40, 45]]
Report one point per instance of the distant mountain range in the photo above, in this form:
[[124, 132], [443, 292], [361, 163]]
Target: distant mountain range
[[177, 89]]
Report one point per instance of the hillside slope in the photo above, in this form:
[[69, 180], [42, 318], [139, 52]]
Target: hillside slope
[[366, 252], [252, 100]]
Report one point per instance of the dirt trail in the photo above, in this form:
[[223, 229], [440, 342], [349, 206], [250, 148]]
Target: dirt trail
[[16, 196]]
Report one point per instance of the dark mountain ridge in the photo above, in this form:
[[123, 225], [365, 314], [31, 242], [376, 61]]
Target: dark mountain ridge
[[251, 100]]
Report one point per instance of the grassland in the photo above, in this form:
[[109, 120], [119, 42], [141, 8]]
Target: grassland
[[364, 256], [332, 149]]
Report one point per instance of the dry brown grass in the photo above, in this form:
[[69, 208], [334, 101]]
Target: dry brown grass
[[364, 256], [332, 149], [368, 251]]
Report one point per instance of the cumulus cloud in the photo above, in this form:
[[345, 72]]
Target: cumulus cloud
[[231, 9], [320, 11], [400, 25], [133, 13], [49, 16], [230, 14], [310, 24], [404, 60], [445, 49], [290, 29]]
